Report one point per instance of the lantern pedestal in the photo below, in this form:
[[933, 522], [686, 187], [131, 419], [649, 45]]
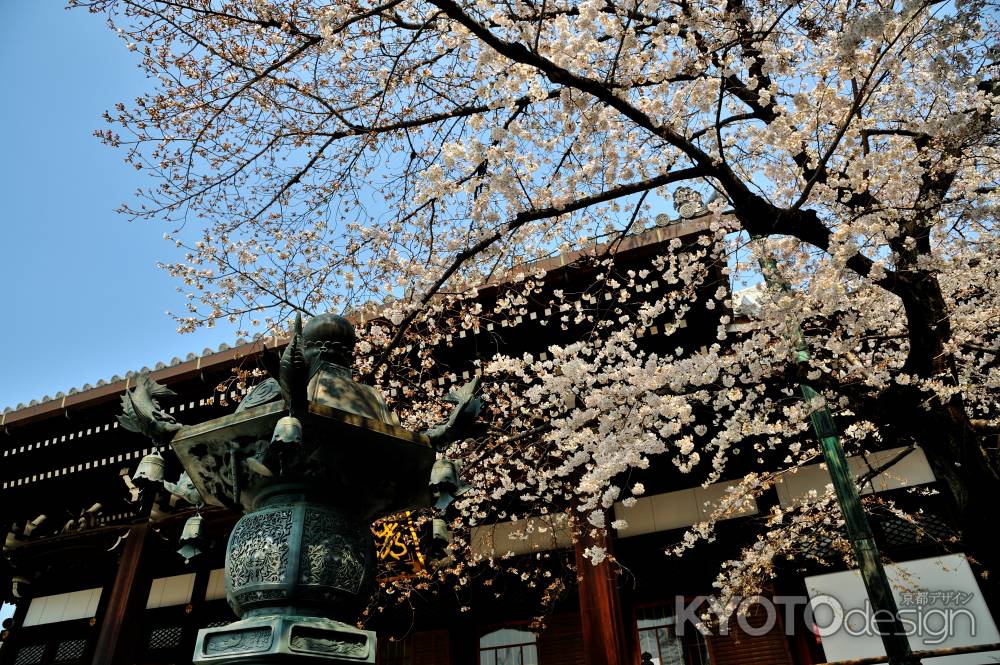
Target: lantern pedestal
[[290, 564], [273, 639]]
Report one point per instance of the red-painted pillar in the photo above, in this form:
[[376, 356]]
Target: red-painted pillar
[[605, 640]]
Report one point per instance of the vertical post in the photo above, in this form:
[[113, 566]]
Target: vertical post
[[195, 619], [605, 641], [897, 646], [117, 634]]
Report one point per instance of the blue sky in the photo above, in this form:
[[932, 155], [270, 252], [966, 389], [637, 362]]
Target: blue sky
[[82, 296]]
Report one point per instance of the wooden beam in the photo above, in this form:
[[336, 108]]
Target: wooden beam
[[117, 638]]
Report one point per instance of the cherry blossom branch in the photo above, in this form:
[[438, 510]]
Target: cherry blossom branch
[[518, 221], [757, 215]]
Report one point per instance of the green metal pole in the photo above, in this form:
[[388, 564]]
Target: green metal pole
[[897, 647]]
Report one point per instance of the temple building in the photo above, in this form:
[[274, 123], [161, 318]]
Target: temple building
[[92, 577]]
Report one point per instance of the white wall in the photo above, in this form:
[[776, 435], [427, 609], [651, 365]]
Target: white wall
[[63, 607], [548, 532], [169, 591], [674, 510], [658, 512], [216, 584], [913, 469]]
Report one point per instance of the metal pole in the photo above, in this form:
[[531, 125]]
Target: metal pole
[[897, 647]]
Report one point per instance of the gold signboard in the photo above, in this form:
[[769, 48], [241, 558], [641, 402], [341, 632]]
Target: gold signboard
[[397, 545]]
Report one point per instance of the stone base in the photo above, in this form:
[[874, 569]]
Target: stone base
[[266, 640]]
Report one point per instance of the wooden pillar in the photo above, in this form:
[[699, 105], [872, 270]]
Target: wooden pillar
[[605, 640], [120, 620], [195, 618]]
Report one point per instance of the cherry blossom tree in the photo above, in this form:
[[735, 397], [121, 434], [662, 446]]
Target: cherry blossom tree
[[317, 156]]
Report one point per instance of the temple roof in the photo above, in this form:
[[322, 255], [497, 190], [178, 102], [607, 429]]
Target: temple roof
[[192, 364]]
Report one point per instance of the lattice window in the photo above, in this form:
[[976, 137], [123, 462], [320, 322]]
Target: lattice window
[[30, 655], [165, 638], [216, 624], [897, 532], [658, 638], [508, 646], [823, 546], [70, 650], [925, 527], [826, 546]]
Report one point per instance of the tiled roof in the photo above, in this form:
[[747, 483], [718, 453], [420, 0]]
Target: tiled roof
[[193, 363], [116, 378], [115, 385]]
